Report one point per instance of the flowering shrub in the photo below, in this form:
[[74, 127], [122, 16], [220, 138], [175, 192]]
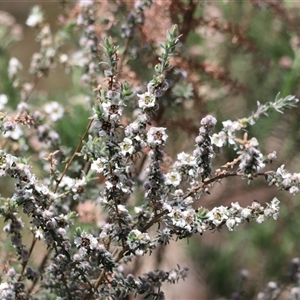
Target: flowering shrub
[[118, 165]]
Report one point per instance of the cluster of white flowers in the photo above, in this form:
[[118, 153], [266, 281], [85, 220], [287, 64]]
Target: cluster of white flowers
[[285, 180], [168, 196], [191, 221], [186, 164], [227, 134]]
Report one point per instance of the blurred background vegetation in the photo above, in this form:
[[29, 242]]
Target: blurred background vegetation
[[232, 54]]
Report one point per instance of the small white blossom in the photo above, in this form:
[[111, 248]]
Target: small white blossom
[[85, 3], [231, 126], [253, 142], [126, 147], [86, 241], [122, 209], [36, 17], [99, 164], [178, 193], [231, 223], [137, 238], [146, 100], [138, 209], [54, 110], [186, 159], [272, 155], [219, 139], [14, 134], [189, 218], [167, 207], [156, 136], [294, 190], [67, 182], [246, 213], [6, 291], [172, 276], [63, 58], [139, 252], [3, 101], [14, 66], [218, 215], [39, 234], [281, 171], [236, 206], [188, 200], [173, 178], [112, 111], [260, 219]]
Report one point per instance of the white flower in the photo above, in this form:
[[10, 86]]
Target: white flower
[[10, 160], [218, 215], [178, 193], [108, 185], [246, 213], [156, 136], [39, 234], [67, 182], [35, 17], [146, 100], [281, 171], [14, 134], [219, 139], [231, 223], [6, 291], [173, 178], [86, 241], [54, 110], [231, 138], [294, 190], [189, 218], [127, 147], [172, 276], [272, 155], [14, 66], [84, 3], [63, 58], [112, 111], [167, 207], [138, 209], [253, 142], [139, 252], [186, 159], [122, 209], [231, 126], [236, 206], [3, 101], [188, 200], [260, 219]]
